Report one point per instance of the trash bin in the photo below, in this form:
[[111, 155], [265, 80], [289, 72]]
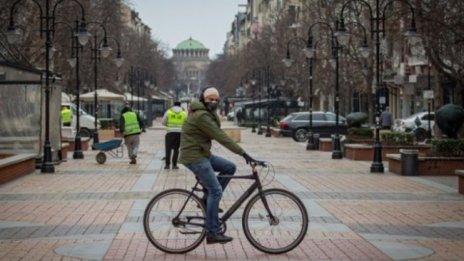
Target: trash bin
[[316, 140], [409, 162]]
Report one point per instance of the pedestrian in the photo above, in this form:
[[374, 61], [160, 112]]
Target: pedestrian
[[201, 127], [386, 119], [131, 126], [173, 119], [238, 115], [66, 115]]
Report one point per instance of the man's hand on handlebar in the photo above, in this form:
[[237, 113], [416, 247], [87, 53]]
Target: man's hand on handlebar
[[250, 160]]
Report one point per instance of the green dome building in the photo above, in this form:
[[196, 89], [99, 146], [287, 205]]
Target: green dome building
[[191, 60]]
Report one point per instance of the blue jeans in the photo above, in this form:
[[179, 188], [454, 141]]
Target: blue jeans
[[205, 172]]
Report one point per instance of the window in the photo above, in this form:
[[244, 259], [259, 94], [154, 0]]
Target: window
[[304, 117]]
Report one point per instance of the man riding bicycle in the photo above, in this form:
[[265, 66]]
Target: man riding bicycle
[[201, 127]]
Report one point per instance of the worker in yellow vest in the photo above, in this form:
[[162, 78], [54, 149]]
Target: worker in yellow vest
[[173, 119], [131, 126], [66, 115]]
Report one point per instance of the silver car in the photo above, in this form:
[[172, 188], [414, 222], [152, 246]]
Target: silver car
[[418, 123], [296, 125]]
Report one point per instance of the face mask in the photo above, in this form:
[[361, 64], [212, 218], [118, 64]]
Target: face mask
[[212, 106]]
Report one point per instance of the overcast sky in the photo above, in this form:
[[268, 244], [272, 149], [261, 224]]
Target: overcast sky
[[173, 21]]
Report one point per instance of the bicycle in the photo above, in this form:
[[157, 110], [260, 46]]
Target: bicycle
[[274, 220]]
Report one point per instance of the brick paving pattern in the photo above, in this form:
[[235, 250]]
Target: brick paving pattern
[[88, 211]]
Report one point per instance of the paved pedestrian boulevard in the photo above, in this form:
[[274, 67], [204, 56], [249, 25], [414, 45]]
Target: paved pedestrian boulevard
[[88, 211]]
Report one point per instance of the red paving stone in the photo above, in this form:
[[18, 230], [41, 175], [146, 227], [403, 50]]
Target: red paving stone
[[42, 215]]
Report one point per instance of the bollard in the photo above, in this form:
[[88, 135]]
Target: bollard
[[316, 141], [409, 162]]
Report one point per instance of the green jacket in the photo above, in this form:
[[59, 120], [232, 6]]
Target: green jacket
[[199, 129]]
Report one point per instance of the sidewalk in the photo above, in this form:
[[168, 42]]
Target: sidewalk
[[88, 211]]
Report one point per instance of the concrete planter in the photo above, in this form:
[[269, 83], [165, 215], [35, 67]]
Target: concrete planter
[[428, 166], [366, 151], [14, 166], [106, 134]]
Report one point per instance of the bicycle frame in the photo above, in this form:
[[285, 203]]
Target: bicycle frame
[[256, 185]]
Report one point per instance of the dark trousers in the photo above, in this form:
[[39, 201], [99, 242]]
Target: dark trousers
[[172, 142]]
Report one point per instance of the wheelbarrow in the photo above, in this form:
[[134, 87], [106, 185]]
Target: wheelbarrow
[[113, 147]]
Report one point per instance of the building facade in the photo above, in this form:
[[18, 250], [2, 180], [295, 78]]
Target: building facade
[[191, 60]]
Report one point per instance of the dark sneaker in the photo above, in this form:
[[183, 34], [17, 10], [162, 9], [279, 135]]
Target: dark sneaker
[[175, 167], [166, 167], [217, 238]]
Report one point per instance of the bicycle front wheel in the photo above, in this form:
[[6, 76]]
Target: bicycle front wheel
[[282, 233], [175, 223]]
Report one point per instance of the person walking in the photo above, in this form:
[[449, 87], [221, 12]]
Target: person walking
[[201, 127], [386, 119], [131, 126], [66, 116], [173, 119]]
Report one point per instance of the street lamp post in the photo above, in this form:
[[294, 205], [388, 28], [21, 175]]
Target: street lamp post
[[261, 82], [429, 100], [46, 26], [336, 152], [77, 153], [309, 51], [104, 51], [270, 91], [258, 78], [97, 52], [253, 124], [131, 85], [288, 61], [138, 83], [310, 145], [377, 27]]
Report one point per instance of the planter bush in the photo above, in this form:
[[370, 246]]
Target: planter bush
[[356, 119], [397, 138], [447, 147], [449, 119], [361, 132]]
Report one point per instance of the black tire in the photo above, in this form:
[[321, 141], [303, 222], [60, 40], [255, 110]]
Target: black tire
[[300, 135], [85, 133], [101, 157], [421, 134], [159, 221], [290, 228]]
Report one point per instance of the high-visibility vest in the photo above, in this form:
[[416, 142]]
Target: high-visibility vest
[[66, 115], [131, 124], [175, 120]]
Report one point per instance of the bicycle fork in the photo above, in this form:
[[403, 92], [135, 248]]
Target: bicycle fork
[[273, 220]]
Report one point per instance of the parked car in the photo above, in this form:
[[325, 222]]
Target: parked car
[[296, 125], [418, 123]]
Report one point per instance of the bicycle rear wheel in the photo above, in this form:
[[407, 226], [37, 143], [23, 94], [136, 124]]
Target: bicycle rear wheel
[[172, 228], [282, 234]]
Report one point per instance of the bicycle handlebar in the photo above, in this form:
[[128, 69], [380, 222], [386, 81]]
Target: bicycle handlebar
[[258, 163]]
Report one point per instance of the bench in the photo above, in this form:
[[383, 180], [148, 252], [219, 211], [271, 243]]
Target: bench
[[15, 166], [460, 174]]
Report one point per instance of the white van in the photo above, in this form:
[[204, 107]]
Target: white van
[[86, 121]]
